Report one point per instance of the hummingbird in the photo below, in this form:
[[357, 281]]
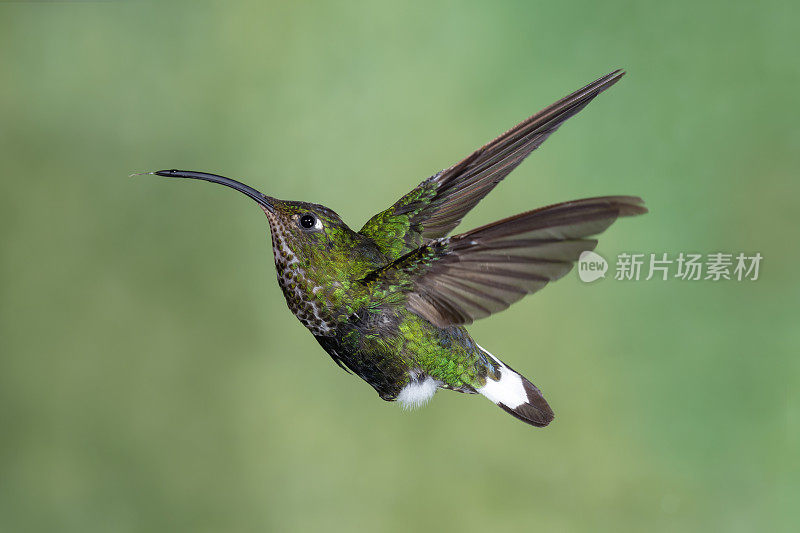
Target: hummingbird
[[390, 302]]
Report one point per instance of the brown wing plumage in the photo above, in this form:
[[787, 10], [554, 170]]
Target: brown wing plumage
[[457, 280], [439, 203]]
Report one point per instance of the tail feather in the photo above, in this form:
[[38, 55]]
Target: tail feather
[[516, 395]]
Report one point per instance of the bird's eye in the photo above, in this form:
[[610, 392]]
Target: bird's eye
[[308, 221]]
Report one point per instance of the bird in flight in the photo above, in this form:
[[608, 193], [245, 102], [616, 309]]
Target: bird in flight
[[390, 302]]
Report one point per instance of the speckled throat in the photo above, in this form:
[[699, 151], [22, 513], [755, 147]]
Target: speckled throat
[[301, 293]]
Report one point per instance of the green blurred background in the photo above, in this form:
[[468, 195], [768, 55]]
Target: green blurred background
[[152, 379]]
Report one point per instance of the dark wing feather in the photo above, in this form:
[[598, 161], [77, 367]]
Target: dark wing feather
[[439, 203], [459, 279]]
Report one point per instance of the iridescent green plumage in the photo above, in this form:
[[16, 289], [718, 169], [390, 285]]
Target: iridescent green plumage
[[390, 302]]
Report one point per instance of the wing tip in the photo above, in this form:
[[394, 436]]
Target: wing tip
[[611, 78], [630, 206], [590, 91], [617, 73]]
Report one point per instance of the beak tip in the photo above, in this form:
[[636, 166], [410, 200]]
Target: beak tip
[[172, 173]]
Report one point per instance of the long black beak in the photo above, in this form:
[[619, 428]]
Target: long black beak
[[262, 199]]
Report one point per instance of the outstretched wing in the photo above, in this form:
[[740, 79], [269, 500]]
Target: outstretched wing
[[458, 279], [439, 203]]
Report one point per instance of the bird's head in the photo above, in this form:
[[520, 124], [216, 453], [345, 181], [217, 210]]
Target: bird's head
[[307, 235]]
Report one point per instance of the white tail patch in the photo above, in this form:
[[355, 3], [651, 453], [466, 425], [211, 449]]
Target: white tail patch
[[516, 395], [508, 390], [417, 393]]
